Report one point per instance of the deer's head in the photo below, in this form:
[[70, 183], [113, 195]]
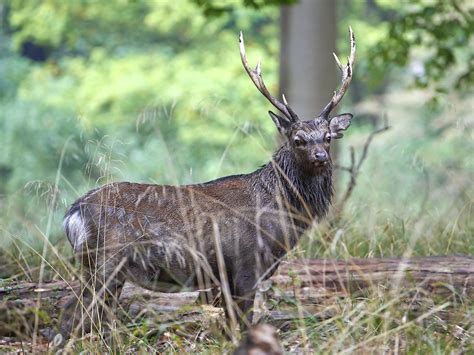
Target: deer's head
[[310, 140]]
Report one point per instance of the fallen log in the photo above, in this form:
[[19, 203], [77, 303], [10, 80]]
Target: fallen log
[[325, 278], [314, 284]]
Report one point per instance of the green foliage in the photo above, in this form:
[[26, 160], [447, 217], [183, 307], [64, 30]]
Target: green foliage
[[436, 38], [423, 43], [217, 8], [122, 86]]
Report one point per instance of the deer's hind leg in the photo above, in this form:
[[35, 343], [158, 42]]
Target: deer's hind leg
[[102, 280]]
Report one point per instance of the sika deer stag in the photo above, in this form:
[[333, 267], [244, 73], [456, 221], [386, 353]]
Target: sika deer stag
[[228, 232]]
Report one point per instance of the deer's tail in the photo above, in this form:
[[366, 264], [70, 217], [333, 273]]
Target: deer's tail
[[75, 226]]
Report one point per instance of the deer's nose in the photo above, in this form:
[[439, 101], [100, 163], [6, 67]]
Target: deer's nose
[[321, 156]]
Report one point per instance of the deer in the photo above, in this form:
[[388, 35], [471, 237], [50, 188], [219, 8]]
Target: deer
[[231, 232]]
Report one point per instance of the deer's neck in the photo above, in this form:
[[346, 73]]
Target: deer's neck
[[306, 193]]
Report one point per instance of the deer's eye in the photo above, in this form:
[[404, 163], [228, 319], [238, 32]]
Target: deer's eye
[[299, 142], [328, 138]]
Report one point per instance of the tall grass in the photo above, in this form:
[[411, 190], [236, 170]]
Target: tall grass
[[413, 198]]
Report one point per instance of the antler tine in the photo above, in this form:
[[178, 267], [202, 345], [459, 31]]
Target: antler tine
[[346, 78], [256, 77]]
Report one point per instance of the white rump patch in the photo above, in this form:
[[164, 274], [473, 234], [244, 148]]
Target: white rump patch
[[75, 230]]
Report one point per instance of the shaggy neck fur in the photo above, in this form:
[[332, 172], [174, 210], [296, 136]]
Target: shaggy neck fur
[[308, 194]]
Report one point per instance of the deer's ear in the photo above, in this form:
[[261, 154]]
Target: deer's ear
[[340, 123], [281, 123]]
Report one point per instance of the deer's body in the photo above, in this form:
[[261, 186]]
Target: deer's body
[[162, 234], [234, 229]]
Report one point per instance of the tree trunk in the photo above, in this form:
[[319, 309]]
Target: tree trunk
[[307, 68], [308, 73]]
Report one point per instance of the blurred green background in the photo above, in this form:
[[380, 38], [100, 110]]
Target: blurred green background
[[154, 91]]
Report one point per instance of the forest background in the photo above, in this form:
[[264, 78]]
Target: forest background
[[154, 91]]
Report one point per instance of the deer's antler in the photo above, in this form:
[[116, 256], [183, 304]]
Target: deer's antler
[[346, 78], [256, 77]]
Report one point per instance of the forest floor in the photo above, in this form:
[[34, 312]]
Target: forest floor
[[360, 305]]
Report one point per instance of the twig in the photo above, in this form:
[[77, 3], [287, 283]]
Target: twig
[[355, 166]]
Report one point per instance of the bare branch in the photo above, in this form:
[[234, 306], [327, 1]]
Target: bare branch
[[355, 166]]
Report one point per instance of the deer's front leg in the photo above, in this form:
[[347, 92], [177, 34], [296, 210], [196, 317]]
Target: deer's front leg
[[244, 296]]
